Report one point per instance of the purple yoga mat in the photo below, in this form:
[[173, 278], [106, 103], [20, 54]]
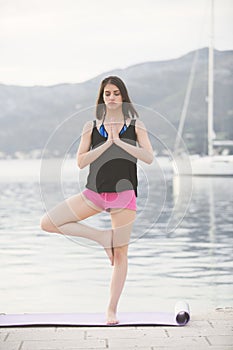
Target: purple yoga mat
[[179, 318]]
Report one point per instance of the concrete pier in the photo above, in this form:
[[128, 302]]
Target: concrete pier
[[213, 331]]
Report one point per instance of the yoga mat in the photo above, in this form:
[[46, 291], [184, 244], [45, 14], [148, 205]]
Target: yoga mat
[[180, 317]]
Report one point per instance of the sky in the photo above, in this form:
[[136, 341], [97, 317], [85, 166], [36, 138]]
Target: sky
[[48, 42]]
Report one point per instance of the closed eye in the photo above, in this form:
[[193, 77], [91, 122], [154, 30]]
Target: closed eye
[[116, 93]]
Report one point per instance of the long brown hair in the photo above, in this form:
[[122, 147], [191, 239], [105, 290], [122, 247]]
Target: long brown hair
[[127, 107]]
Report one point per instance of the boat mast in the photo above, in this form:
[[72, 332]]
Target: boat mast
[[211, 83]]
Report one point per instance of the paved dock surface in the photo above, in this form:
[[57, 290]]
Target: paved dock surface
[[213, 331]]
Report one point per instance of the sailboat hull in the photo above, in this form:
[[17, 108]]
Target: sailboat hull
[[204, 166]]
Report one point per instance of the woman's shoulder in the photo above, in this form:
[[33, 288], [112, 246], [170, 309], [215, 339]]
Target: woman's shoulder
[[139, 124], [88, 126]]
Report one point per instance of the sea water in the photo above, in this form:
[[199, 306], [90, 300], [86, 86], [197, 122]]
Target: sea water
[[180, 248]]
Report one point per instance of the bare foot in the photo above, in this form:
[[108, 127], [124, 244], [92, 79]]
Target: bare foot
[[108, 245], [111, 318], [110, 255]]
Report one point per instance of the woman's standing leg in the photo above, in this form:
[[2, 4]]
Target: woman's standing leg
[[65, 217], [122, 222]]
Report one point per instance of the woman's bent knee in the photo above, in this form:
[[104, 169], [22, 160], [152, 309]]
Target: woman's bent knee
[[46, 224]]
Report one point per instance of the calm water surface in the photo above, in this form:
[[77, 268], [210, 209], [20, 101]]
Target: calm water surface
[[189, 259]]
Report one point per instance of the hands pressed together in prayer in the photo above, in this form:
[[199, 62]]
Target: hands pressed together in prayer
[[114, 129]]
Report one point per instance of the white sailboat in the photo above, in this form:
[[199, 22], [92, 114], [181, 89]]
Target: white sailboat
[[211, 164]]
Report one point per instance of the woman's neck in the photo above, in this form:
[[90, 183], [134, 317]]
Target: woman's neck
[[113, 116]]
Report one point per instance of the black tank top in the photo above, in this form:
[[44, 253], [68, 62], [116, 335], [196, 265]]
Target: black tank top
[[115, 170]]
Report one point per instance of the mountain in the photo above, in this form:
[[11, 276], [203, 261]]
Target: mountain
[[52, 117]]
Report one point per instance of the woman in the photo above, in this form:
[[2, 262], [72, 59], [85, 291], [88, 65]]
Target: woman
[[110, 145]]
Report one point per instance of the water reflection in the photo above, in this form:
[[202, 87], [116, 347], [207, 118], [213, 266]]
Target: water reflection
[[210, 235]]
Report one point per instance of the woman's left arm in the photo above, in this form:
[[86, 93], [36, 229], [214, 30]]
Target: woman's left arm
[[145, 151]]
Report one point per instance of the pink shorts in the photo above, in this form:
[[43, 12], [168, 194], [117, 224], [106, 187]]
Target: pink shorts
[[109, 200]]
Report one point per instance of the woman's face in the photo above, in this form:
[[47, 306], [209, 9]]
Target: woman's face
[[112, 96]]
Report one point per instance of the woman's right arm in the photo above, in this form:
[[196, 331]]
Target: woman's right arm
[[85, 155]]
